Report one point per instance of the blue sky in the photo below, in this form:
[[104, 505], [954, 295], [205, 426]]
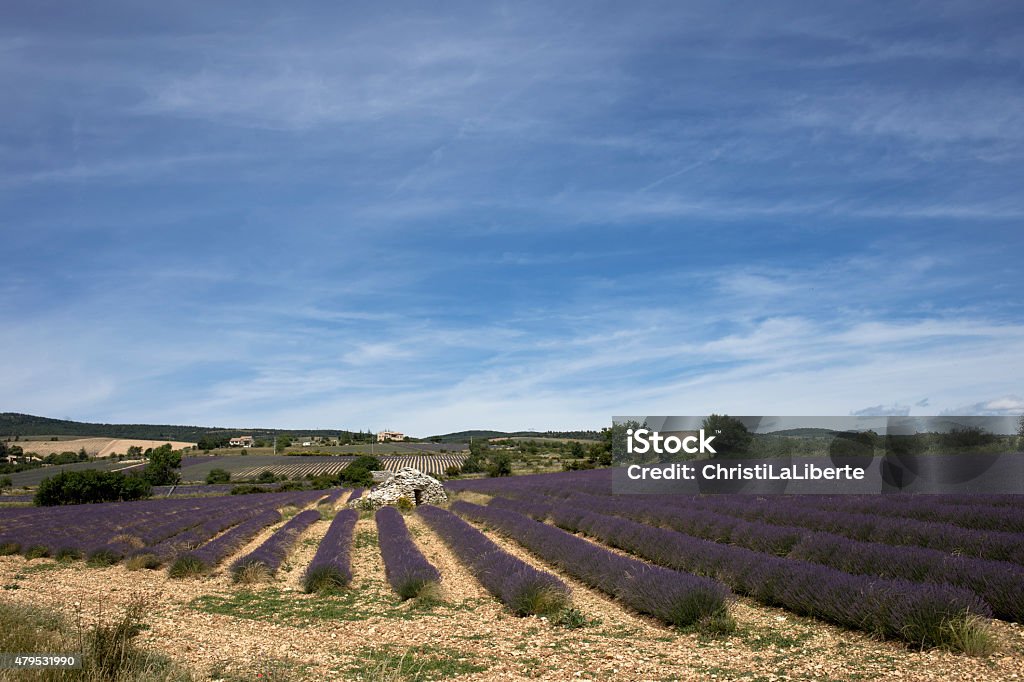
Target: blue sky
[[511, 216]]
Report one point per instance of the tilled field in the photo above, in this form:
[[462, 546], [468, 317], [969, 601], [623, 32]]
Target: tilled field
[[225, 631]]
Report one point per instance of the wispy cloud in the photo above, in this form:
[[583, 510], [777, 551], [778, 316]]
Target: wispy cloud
[[509, 216]]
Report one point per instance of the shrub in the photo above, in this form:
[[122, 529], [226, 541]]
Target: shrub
[[185, 566], [358, 472], [80, 487], [267, 476], [966, 437], [218, 476]]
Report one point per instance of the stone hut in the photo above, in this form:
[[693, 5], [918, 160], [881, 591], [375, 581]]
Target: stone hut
[[410, 483]]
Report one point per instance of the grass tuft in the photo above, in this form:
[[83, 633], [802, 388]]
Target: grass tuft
[[186, 566], [37, 552], [540, 600], [324, 580], [971, 635], [251, 573], [68, 554], [140, 561]]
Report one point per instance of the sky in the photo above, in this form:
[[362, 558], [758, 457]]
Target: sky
[[442, 216]]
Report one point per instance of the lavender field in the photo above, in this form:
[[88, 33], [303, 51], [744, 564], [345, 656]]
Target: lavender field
[[904, 575]]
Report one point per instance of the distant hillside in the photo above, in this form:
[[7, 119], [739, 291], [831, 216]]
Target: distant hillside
[[24, 425], [464, 436], [804, 433]]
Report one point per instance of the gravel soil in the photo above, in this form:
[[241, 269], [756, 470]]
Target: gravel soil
[[275, 631]]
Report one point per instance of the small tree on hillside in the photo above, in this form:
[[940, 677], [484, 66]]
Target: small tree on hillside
[[163, 465]]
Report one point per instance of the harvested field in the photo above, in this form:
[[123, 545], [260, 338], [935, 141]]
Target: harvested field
[[95, 447]]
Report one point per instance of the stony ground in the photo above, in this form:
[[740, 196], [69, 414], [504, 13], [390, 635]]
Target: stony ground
[[274, 631]]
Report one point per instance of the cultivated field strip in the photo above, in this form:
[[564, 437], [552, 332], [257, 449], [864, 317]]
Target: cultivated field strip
[[405, 567], [672, 596], [923, 596], [518, 585], [268, 556], [331, 566], [434, 465], [111, 531]]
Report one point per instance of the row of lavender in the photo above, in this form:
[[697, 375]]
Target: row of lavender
[[881, 521], [112, 531], [675, 597], [930, 613], [999, 583], [920, 614], [518, 585]]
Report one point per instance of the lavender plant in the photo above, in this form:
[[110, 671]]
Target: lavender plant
[[266, 559], [407, 570], [330, 568], [518, 585], [677, 598]]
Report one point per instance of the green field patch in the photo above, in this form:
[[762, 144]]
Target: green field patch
[[759, 639], [300, 609], [428, 662]]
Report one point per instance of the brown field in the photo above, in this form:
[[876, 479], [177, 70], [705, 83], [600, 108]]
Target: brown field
[[274, 631], [95, 447]]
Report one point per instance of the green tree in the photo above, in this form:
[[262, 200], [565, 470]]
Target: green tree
[[267, 476], [499, 464], [5, 483], [731, 436], [476, 461], [218, 476], [358, 473], [82, 487], [163, 465]]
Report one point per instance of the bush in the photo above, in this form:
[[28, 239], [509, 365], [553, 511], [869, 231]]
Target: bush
[[499, 464], [81, 487], [248, 489], [966, 437], [358, 472], [218, 476], [267, 476]]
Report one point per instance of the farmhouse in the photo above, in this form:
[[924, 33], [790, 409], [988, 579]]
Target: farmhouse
[[242, 441], [383, 436], [409, 483]]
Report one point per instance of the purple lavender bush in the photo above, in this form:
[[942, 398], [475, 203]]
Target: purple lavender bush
[[677, 598], [331, 567], [210, 555], [518, 585], [921, 614], [407, 570], [266, 559]]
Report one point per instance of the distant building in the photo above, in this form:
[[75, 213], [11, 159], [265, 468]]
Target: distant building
[[383, 436], [242, 442]]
